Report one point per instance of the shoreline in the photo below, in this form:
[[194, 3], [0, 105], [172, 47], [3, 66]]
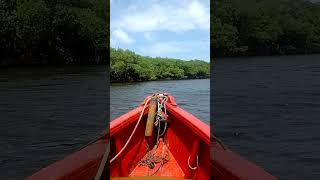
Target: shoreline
[[128, 82], [253, 56], [49, 65]]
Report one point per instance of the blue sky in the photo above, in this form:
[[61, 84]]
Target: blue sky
[[164, 28]]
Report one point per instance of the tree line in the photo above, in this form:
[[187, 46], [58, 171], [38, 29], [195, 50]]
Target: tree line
[[265, 27], [127, 66], [53, 32]]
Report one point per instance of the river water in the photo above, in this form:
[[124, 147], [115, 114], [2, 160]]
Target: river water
[[192, 95], [267, 109], [48, 113]]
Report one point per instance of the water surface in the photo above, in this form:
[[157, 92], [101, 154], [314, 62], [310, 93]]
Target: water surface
[[48, 113], [192, 95], [268, 110]]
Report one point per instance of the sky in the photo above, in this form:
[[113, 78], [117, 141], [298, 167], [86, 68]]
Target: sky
[[162, 28]]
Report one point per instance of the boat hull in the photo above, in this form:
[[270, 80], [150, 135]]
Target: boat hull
[[80, 165], [186, 136], [187, 140]]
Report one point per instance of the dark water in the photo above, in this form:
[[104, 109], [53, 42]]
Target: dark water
[[192, 95], [48, 113], [274, 105]]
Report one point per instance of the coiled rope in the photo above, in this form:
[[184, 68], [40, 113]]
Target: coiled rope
[[134, 130], [161, 118], [105, 156], [151, 158]]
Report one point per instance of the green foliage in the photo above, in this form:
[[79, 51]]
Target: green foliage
[[265, 27], [126, 66], [53, 31]]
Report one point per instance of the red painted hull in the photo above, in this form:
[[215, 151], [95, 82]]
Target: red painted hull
[[187, 138], [80, 165]]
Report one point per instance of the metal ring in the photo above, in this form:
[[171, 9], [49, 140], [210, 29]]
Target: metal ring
[[193, 168]]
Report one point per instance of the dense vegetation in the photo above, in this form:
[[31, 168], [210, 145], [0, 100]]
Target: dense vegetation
[[265, 27], [53, 32], [128, 66]]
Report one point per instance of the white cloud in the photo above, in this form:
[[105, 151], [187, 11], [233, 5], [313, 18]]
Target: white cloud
[[166, 49], [162, 48], [196, 9], [176, 16], [121, 36], [148, 26], [148, 36]]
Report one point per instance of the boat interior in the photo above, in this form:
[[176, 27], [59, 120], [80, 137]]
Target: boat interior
[[184, 154], [178, 147]]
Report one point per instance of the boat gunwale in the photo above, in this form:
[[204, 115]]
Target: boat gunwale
[[199, 128], [66, 167], [126, 119]]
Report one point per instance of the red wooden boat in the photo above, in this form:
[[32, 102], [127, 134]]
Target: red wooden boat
[[157, 140]]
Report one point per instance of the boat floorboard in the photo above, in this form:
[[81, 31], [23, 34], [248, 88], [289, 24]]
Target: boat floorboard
[[169, 169]]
